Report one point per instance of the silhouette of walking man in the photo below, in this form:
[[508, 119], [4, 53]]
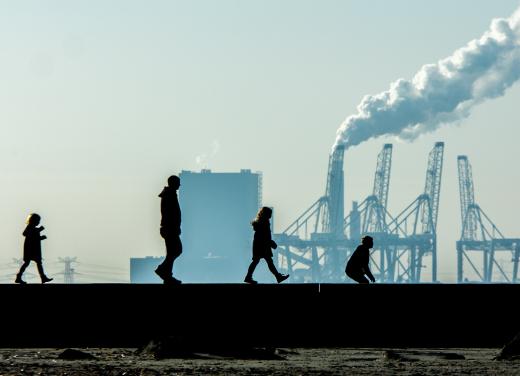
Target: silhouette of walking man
[[262, 244], [32, 248], [357, 265], [170, 229]]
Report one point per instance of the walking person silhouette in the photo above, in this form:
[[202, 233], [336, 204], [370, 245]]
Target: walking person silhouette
[[170, 229], [32, 248], [357, 265], [262, 244]]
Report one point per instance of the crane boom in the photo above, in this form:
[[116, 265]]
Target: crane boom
[[382, 175], [432, 187]]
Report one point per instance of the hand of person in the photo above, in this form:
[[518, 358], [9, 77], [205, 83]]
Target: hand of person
[[41, 228], [44, 237], [273, 244], [373, 279]]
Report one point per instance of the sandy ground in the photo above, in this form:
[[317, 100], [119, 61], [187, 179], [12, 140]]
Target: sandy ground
[[297, 362]]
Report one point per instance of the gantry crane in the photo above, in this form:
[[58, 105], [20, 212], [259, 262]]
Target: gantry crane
[[416, 227], [480, 238], [371, 216], [315, 239]]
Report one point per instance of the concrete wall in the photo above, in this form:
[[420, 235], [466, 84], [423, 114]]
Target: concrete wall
[[289, 315]]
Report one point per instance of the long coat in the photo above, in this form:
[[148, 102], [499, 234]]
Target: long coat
[[262, 241], [32, 248]]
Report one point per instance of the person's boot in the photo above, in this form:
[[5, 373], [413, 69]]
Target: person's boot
[[161, 273], [281, 277], [172, 281], [250, 280], [46, 279], [19, 280]]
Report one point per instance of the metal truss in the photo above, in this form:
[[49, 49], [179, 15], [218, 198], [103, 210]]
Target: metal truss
[[481, 242]]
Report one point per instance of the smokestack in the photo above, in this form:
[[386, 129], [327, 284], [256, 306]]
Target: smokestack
[[440, 93]]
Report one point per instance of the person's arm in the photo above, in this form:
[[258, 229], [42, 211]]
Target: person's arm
[[369, 274], [366, 267], [273, 244]]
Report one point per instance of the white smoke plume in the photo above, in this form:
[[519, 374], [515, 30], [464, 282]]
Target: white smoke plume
[[440, 93]]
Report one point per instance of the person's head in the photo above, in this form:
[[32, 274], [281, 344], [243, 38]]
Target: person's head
[[174, 182], [367, 241], [263, 214], [33, 219]]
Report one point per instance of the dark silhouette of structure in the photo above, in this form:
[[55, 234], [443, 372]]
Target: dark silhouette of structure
[[481, 241], [262, 245], [218, 227], [358, 264], [32, 248], [316, 244], [170, 229]]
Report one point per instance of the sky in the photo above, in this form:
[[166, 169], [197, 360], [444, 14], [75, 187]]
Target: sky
[[101, 101]]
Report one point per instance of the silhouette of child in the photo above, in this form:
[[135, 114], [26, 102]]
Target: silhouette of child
[[357, 265], [262, 244], [32, 249]]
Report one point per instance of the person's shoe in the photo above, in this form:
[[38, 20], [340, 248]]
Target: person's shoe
[[281, 277], [172, 281], [19, 280], [161, 274], [250, 280], [46, 279]]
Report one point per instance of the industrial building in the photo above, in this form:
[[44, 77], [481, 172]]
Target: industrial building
[[217, 210]]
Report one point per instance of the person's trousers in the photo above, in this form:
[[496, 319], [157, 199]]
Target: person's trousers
[[38, 265], [173, 250], [358, 277], [254, 263]]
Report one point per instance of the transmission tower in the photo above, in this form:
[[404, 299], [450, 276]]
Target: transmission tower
[[480, 238], [68, 272]]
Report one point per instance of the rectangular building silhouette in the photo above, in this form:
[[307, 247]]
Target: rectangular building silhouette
[[217, 210]]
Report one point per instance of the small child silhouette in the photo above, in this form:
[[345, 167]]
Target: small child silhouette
[[32, 249], [262, 244]]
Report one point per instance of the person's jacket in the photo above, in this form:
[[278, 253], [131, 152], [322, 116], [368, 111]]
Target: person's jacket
[[262, 241], [358, 262], [32, 249], [170, 211]]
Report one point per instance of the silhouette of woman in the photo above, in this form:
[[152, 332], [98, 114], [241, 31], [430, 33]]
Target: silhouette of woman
[[262, 244], [32, 249]]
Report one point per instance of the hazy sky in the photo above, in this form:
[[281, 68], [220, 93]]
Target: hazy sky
[[100, 101]]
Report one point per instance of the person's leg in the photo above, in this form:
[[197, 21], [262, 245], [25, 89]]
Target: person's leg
[[251, 270], [176, 249], [173, 250], [175, 246], [358, 277], [165, 268], [43, 277], [21, 271], [279, 276], [271, 266], [23, 267]]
